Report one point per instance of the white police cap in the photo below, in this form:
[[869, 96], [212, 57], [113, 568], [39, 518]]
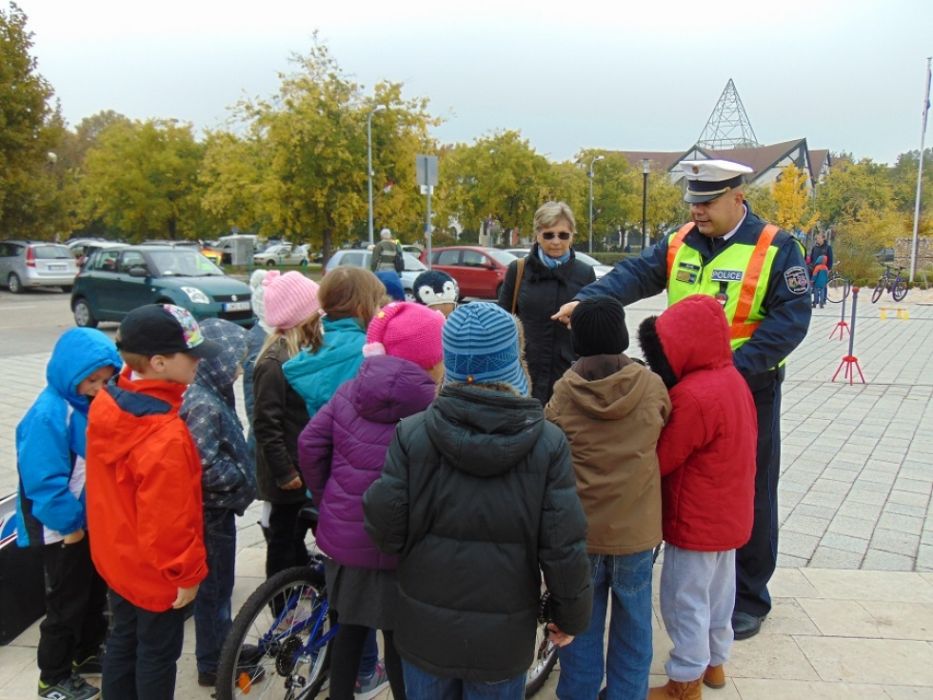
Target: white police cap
[[709, 179]]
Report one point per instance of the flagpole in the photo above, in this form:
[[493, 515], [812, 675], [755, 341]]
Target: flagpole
[[923, 133]]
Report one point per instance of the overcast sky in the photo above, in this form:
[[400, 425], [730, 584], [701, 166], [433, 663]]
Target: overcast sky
[[633, 75]]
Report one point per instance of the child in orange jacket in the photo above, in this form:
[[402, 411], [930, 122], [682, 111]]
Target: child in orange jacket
[[144, 500]]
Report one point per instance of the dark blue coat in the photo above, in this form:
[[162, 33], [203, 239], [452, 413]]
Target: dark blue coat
[[787, 309]]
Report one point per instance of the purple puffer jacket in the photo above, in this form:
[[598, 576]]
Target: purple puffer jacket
[[342, 450]]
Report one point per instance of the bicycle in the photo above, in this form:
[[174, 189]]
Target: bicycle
[[279, 644], [838, 287], [895, 284], [286, 654]]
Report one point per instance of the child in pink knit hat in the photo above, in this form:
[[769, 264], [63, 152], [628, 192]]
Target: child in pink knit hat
[[341, 453], [292, 311]]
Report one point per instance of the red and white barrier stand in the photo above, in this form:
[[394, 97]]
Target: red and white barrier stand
[[850, 361]]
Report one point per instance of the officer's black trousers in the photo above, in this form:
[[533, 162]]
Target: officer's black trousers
[[756, 561]]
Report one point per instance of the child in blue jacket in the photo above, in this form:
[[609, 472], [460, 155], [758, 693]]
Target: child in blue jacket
[[819, 279], [50, 452]]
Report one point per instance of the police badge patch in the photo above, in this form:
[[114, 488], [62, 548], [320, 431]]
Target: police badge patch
[[797, 280]]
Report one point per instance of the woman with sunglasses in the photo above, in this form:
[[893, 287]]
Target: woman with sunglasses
[[551, 276]]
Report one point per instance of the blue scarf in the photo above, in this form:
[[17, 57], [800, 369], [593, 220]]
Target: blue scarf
[[550, 262]]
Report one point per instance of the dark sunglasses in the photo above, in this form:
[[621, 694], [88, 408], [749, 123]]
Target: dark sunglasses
[[563, 235]]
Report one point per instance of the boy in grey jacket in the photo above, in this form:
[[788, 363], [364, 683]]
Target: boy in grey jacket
[[228, 483]]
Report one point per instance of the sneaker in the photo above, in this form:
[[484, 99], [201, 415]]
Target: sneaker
[[370, 687], [72, 688], [91, 666]]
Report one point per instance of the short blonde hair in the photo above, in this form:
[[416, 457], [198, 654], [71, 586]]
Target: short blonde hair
[[551, 213]]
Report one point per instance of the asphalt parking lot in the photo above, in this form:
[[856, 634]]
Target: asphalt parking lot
[[32, 321]]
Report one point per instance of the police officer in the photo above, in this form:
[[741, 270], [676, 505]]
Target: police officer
[[759, 275]]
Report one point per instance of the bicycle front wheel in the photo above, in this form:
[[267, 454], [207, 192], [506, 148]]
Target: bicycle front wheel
[[279, 644], [878, 291], [837, 289], [899, 291]]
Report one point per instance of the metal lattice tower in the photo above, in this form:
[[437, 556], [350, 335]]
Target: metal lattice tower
[[728, 126]]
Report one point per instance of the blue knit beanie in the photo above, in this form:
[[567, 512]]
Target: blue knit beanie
[[393, 283], [481, 347]]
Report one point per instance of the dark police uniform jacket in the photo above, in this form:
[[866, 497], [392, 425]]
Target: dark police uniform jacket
[[787, 302]]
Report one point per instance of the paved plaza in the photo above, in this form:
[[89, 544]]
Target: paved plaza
[[853, 613]]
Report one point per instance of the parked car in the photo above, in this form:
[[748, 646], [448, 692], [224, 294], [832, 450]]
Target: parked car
[[362, 258], [25, 264], [282, 254], [117, 280], [81, 248], [599, 268], [479, 271], [207, 251]]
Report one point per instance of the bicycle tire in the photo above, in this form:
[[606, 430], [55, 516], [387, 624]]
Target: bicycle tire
[[899, 290], [837, 289], [282, 666], [878, 290], [542, 664]]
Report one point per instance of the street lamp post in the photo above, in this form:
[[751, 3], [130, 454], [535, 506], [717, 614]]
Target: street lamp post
[[369, 163], [592, 162], [645, 169]]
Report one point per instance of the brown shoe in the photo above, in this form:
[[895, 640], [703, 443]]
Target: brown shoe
[[715, 677], [677, 690]]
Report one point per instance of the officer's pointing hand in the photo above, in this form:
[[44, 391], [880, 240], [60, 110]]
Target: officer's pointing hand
[[563, 313]]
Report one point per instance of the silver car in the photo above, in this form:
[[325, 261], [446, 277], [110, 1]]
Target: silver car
[[25, 264], [361, 258]]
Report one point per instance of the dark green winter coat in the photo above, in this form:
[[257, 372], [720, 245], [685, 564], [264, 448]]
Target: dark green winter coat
[[478, 497]]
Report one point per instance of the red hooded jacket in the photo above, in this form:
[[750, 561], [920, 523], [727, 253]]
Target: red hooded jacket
[[144, 506], [708, 447]]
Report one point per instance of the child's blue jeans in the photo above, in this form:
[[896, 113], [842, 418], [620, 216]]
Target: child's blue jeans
[[626, 580], [421, 685], [212, 611]]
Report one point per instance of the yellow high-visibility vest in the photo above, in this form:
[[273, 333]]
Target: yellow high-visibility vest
[[737, 276]]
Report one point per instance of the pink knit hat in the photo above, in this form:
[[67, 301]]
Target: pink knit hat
[[406, 330], [290, 299]]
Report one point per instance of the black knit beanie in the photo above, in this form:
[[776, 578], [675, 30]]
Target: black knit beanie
[[597, 327]]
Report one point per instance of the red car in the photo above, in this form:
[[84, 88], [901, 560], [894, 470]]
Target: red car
[[479, 271]]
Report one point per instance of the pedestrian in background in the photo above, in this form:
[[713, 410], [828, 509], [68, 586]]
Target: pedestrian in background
[[536, 286]]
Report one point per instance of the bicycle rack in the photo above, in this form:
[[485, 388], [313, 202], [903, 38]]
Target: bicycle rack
[[841, 324], [850, 361]]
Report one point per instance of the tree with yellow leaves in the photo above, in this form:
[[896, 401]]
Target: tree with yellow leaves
[[793, 204]]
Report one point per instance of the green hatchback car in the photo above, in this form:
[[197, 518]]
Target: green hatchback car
[[115, 281]]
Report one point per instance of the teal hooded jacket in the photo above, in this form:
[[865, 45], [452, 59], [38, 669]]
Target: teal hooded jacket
[[317, 376]]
